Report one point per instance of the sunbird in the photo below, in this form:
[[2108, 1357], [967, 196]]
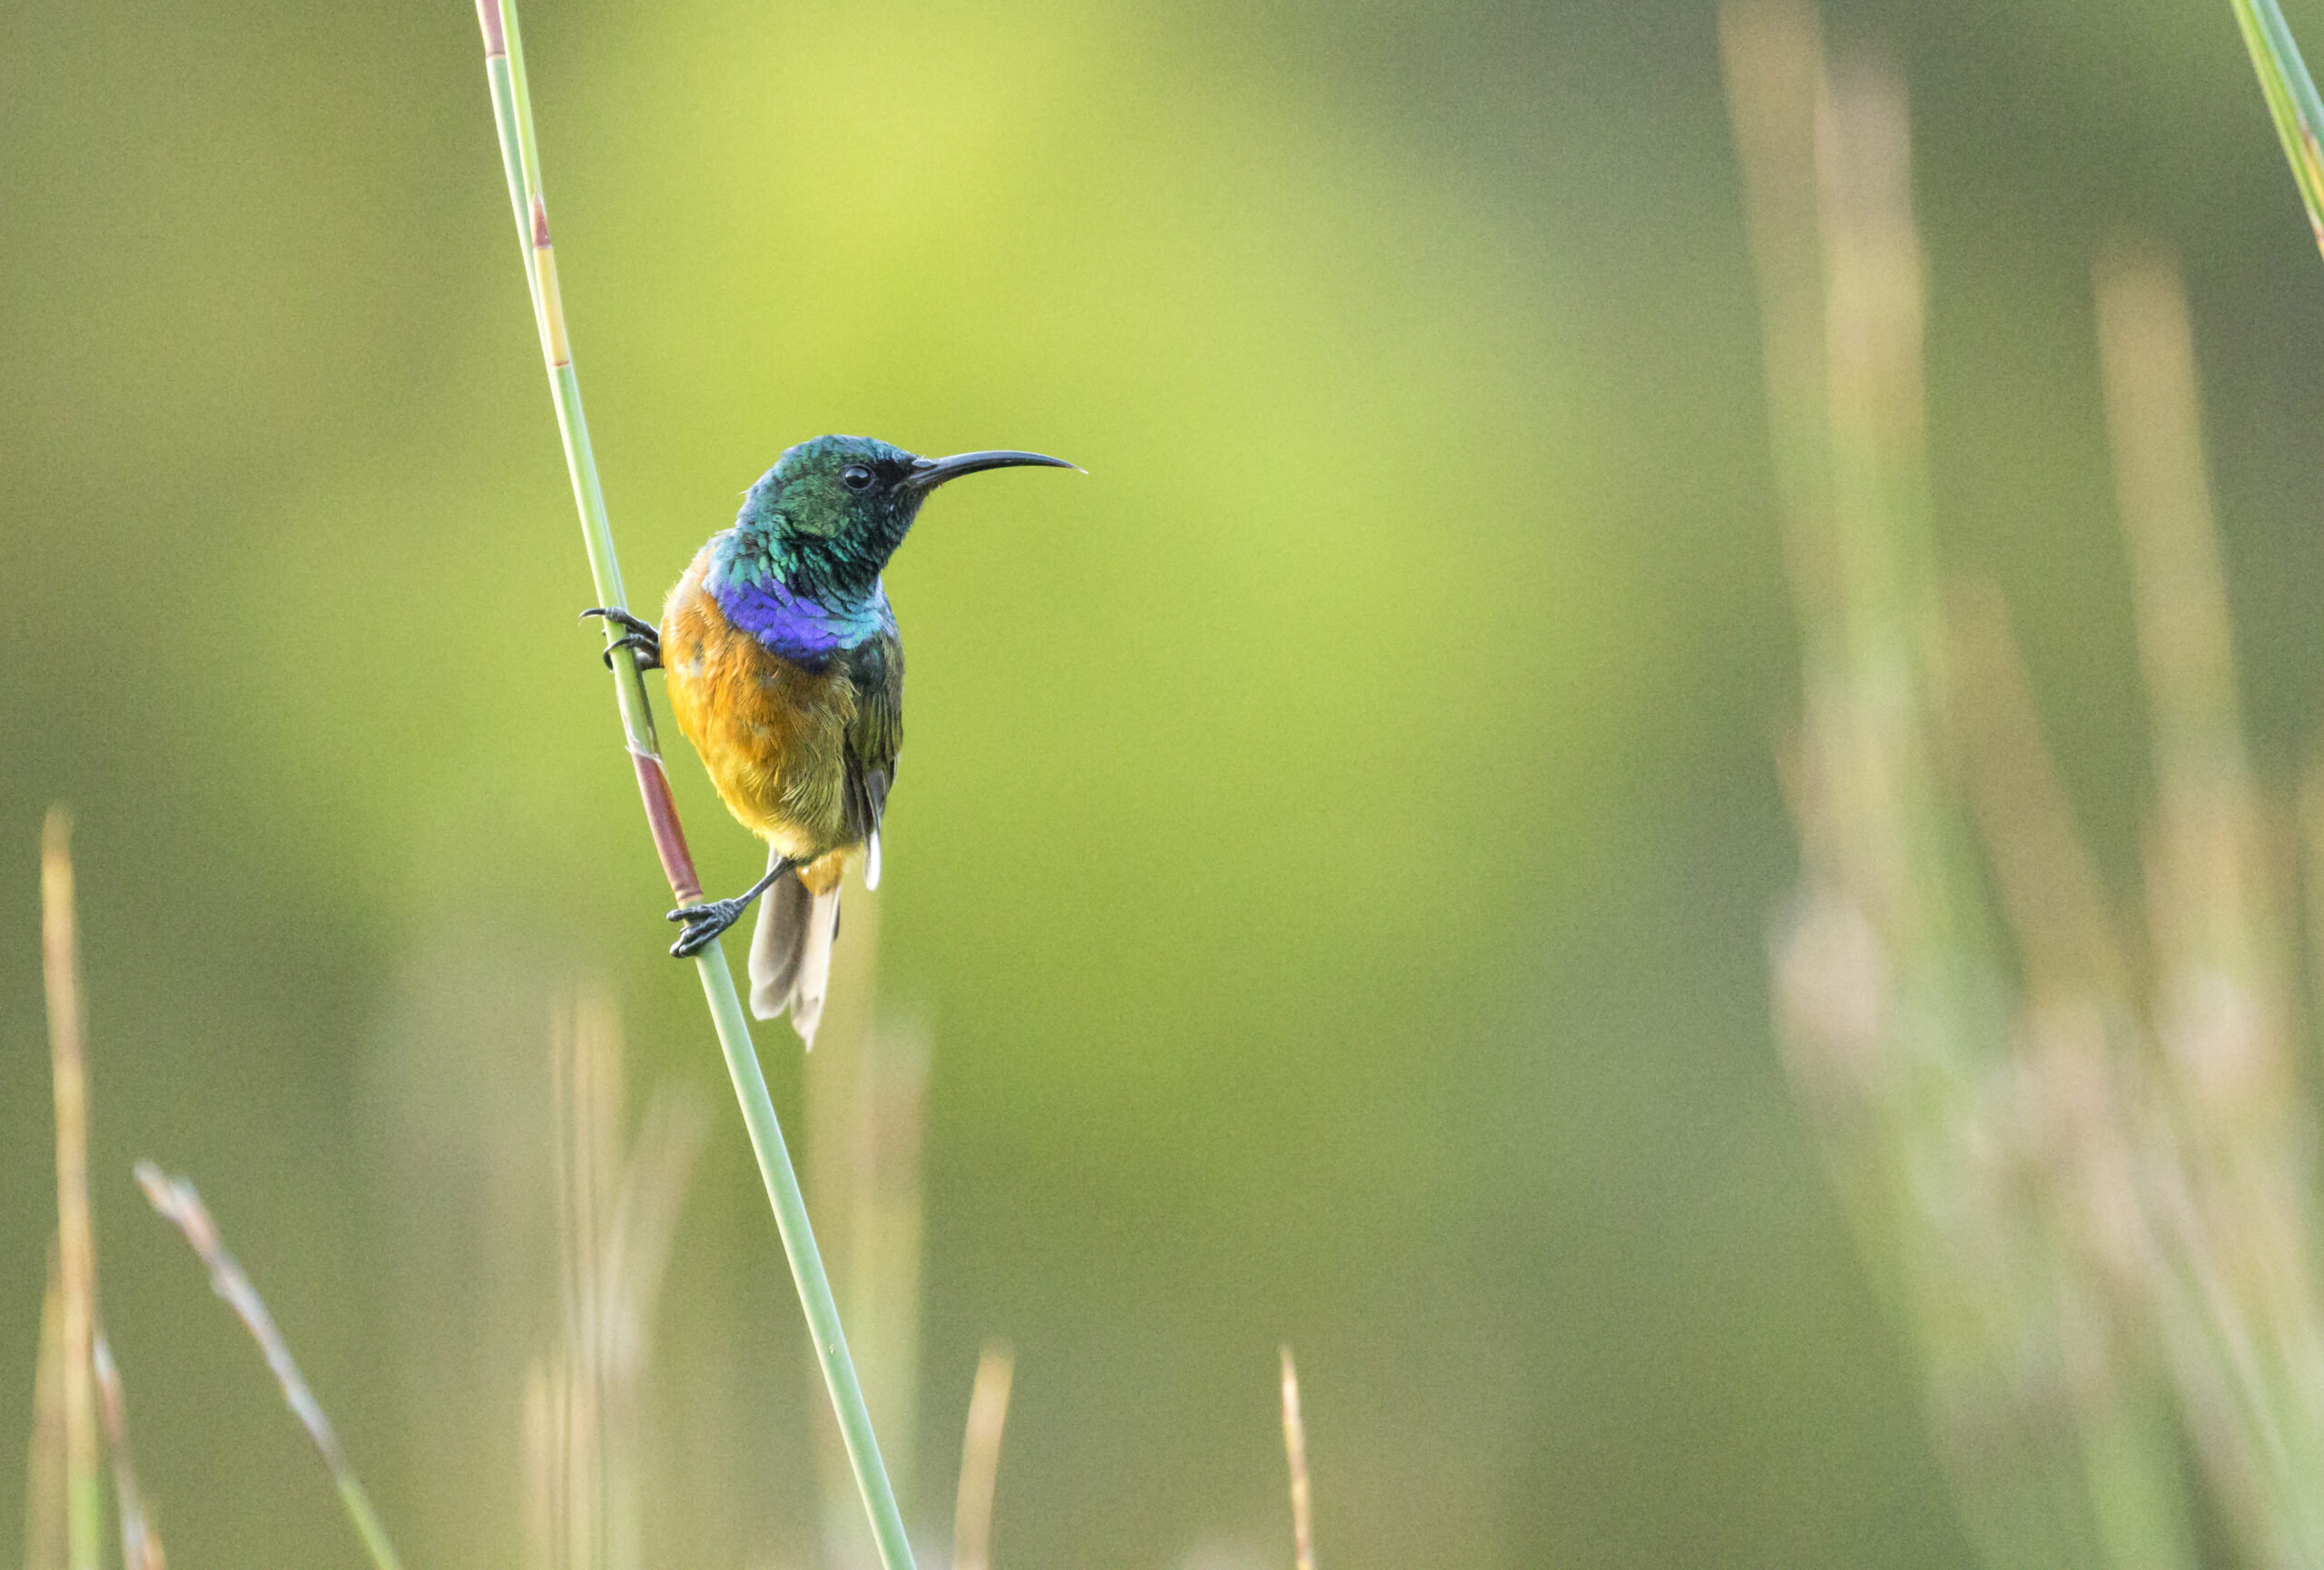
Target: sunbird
[[786, 672]]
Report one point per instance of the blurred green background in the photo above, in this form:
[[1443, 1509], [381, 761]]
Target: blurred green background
[[1339, 835]]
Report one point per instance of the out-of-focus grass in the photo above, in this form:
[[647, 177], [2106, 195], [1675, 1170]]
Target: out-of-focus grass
[[1886, 985], [2086, 1183], [45, 1487], [178, 1202], [981, 1458], [1295, 1450], [2229, 1137], [80, 1413], [863, 1114], [76, 1243], [619, 1195], [80, 1409], [140, 1543]]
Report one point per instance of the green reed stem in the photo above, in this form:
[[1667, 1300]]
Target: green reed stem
[[2291, 98], [520, 159]]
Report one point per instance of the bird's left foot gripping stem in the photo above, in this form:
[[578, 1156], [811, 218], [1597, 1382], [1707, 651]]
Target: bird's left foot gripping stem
[[638, 635], [704, 921]]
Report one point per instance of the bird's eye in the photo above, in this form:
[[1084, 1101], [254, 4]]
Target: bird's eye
[[857, 477]]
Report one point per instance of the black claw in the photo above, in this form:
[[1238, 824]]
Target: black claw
[[639, 636], [705, 920], [649, 651], [705, 923], [620, 618]]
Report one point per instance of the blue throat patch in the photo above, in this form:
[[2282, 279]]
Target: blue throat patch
[[798, 626]]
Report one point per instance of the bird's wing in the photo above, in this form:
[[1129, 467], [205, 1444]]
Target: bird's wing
[[874, 737]]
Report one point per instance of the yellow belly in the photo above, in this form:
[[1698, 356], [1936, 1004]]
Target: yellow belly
[[772, 735]]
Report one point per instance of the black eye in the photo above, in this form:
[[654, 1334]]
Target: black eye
[[857, 477]]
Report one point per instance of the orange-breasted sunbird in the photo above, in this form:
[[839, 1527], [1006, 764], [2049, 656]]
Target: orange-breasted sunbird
[[786, 672]]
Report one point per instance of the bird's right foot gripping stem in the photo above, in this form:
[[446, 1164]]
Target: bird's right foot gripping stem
[[638, 635], [705, 920]]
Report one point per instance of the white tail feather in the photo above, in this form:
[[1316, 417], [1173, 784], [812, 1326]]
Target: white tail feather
[[791, 954], [814, 967]]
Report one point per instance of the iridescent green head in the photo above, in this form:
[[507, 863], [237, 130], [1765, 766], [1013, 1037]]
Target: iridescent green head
[[832, 511]]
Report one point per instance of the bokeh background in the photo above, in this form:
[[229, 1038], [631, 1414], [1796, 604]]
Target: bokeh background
[[1335, 858]]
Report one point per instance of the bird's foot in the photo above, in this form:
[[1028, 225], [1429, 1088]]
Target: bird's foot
[[703, 922], [638, 634]]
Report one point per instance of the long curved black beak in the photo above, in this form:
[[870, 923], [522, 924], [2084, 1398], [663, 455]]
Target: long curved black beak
[[927, 473]]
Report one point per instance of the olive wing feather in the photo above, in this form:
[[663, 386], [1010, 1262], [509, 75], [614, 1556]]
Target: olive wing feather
[[874, 739]]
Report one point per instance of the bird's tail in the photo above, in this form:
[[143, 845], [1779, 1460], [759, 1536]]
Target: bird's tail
[[791, 954]]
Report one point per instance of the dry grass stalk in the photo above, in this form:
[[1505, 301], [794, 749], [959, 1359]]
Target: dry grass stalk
[[2049, 888], [2095, 1218], [2311, 828], [1892, 1000], [981, 1458], [79, 1374], [2234, 1170], [141, 1546], [178, 1203], [45, 1452], [76, 1236], [1773, 55], [2081, 1104], [619, 1211], [1294, 1447], [587, 1095], [563, 1478]]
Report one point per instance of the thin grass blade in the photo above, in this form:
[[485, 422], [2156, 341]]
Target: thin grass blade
[[141, 1546], [2240, 1218], [2088, 1116], [618, 1206], [178, 1203]]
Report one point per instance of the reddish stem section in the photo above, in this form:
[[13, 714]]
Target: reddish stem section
[[669, 837], [496, 42]]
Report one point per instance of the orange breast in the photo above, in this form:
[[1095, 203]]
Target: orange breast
[[772, 733]]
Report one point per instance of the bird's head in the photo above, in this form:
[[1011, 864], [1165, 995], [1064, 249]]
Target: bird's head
[[832, 511]]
